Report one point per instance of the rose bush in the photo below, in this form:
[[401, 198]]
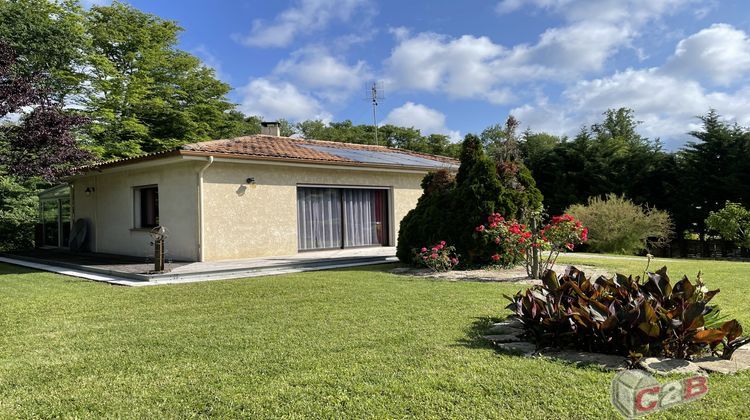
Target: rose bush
[[505, 241], [438, 257], [508, 243], [562, 233]]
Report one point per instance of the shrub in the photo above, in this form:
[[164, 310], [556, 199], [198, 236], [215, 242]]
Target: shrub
[[731, 222], [562, 233], [449, 210], [622, 315], [504, 242], [438, 257], [617, 225]]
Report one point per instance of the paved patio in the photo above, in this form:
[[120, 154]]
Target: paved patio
[[134, 271]]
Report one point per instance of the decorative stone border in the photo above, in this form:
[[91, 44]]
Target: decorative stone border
[[507, 336]]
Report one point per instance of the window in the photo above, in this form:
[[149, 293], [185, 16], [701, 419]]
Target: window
[[341, 217], [146, 201]]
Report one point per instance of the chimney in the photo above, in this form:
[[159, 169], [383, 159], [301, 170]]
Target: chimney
[[270, 128]]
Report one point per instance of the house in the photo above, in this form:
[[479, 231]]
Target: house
[[255, 196]]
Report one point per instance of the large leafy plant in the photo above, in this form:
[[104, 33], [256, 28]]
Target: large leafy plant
[[626, 315]]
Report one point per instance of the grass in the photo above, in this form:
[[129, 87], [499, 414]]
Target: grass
[[347, 343]]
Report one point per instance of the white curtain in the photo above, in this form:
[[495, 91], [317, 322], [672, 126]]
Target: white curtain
[[359, 213], [318, 218]]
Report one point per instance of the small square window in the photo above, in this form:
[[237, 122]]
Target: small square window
[[146, 200]]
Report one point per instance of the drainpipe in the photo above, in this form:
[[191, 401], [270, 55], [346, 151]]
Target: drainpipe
[[200, 207]]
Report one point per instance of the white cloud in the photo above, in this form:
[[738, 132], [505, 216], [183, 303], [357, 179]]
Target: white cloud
[[476, 67], [666, 99], [274, 100], [331, 77], [427, 120], [666, 105], [305, 17], [720, 53], [462, 67]]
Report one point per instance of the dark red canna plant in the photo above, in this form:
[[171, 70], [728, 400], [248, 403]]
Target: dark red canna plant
[[626, 315]]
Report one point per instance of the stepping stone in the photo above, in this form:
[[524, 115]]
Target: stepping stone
[[506, 327], [502, 338], [742, 354], [666, 366], [719, 365], [523, 347], [602, 361]]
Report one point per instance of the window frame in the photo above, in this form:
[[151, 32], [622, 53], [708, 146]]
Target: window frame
[[138, 207]]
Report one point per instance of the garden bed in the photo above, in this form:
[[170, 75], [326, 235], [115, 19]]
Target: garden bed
[[510, 275]]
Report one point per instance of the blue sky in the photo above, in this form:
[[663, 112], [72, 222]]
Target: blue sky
[[456, 67]]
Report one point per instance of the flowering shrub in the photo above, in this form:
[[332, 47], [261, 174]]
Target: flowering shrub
[[438, 257], [506, 241], [509, 243], [565, 231], [562, 233]]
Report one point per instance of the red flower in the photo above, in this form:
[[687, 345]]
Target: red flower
[[497, 240], [495, 257], [585, 234], [480, 228]]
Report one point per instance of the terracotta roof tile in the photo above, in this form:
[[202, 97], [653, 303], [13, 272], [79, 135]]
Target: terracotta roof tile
[[293, 148], [288, 148]]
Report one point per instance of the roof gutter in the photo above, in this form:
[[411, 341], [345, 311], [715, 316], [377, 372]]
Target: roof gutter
[[201, 248]]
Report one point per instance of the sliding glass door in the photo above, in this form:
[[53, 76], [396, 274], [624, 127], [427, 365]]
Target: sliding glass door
[[341, 217]]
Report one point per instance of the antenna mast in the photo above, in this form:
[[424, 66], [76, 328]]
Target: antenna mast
[[375, 95]]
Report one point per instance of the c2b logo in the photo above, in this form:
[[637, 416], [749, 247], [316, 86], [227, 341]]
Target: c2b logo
[[636, 393]]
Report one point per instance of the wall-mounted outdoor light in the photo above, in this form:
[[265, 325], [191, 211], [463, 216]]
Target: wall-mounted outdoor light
[[251, 182], [89, 191]]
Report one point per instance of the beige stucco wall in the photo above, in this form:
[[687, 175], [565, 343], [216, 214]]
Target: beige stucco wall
[[246, 222], [110, 208]]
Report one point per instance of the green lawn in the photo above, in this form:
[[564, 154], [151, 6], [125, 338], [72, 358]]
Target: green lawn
[[353, 343]]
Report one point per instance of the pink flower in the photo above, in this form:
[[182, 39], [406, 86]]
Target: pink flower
[[424, 249], [434, 256], [454, 261], [442, 243], [435, 249], [480, 228], [497, 240]]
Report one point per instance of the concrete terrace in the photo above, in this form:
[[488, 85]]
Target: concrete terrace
[[134, 271]]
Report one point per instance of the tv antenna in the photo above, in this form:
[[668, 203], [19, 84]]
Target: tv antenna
[[375, 94]]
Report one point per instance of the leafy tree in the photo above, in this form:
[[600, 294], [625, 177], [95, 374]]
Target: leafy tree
[[18, 213], [501, 142], [732, 222], [408, 138], [713, 170], [40, 147], [50, 37], [618, 225], [608, 157], [146, 95], [534, 146], [236, 124]]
